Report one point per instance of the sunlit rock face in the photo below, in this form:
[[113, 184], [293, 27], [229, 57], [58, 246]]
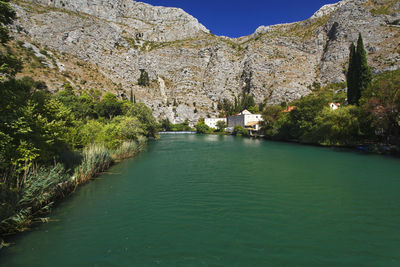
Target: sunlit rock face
[[192, 69]]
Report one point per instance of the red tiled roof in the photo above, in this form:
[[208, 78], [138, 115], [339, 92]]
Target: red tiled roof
[[289, 109]]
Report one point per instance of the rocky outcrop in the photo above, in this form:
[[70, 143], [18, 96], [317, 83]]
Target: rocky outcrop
[[192, 69], [158, 24]]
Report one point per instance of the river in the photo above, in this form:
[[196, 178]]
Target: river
[[192, 200]]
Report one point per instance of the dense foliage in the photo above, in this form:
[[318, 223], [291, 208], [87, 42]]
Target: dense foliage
[[359, 74], [372, 116], [49, 143], [202, 127], [244, 101], [83, 136], [144, 78], [238, 130], [167, 126], [375, 120]]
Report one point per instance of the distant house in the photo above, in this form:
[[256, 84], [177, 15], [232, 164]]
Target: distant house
[[246, 119], [212, 122], [334, 106]]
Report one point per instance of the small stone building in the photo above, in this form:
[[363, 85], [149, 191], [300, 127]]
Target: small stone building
[[245, 119]]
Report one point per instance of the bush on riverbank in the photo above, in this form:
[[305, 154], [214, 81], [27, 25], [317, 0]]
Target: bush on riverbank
[[46, 136], [202, 128], [167, 126], [50, 143], [375, 120], [240, 131]]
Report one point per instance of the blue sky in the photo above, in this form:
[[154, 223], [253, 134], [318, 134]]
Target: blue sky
[[235, 18]]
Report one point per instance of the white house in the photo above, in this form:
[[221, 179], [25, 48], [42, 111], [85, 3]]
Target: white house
[[246, 119], [212, 122], [334, 106]]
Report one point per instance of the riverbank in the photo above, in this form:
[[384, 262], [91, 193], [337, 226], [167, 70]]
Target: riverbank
[[278, 204], [45, 187], [177, 132], [373, 148]]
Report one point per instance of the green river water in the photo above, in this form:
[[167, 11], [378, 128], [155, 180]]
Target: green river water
[[192, 200]]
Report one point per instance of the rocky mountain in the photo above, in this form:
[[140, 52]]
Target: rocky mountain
[[106, 44]]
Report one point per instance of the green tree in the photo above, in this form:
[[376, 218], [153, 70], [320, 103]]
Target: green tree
[[359, 74], [7, 14], [202, 128], [166, 125], [109, 106], [240, 131], [9, 63], [351, 77], [131, 96], [221, 125], [382, 100], [144, 78], [145, 116], [254, 109], [339, 127], [365, 75], [270, 116], [243, 101], [131, 128], [81, 106]]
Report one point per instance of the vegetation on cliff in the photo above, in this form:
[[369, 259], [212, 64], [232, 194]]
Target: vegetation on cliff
[[245, 100]]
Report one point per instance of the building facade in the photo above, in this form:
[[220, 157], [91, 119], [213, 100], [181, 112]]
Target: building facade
[[212, 122], [245, 119]]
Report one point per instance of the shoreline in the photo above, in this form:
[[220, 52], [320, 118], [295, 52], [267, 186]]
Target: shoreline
[[374, 148], [62, 191]]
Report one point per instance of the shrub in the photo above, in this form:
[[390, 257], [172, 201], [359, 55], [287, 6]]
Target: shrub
[[240, 131], [202, 128]]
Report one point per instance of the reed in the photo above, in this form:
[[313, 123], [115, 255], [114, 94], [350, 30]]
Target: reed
[[95, 159], [34, 200], [129, 149], [43, 187]]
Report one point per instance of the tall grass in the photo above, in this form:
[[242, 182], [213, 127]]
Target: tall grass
[[96, 159], [129, 149], [28, 205], [45, 186]]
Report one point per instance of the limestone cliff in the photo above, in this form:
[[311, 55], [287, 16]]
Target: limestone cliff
[[193, 68]]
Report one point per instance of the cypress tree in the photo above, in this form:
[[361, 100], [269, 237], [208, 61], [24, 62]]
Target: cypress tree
[[365, 75], [131, 96], [359, 73], [351, 88]]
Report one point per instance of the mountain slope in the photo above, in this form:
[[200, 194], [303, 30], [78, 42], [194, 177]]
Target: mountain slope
[[195, 69]]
